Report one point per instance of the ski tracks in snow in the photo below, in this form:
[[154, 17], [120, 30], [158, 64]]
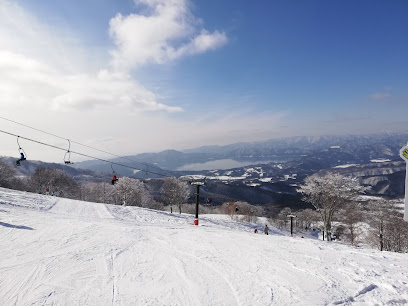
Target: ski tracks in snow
[[112, 273], [193, 273]]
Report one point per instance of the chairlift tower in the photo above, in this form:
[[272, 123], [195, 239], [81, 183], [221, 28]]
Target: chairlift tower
[[291, 224], [404, 156], [197, 184]]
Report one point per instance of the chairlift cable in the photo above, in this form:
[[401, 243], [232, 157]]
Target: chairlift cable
[[90, 147], [79, 153]]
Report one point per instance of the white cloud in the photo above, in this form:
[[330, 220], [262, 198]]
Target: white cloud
[[46, 67], [85, 91], [201, 43], [167, 31]]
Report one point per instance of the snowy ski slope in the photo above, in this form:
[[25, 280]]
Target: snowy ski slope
[[55, 251]]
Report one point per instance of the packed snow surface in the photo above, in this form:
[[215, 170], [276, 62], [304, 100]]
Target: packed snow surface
[[56, 251]]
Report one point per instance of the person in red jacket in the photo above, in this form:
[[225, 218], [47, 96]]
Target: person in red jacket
[[114, 179]]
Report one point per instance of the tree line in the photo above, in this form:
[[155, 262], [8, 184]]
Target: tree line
[[169, 193], [126, 191], [342, 213]]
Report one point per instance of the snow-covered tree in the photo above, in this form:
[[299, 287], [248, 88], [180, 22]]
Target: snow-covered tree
[[240, 210], [229, 208], [175, 192], [56, 180], [39, 180], [282, 217], [132, 192], [328, 194], [97, 192], [378, 217], [351, 217], [306, 218], [248, 211], [6, 175], [388, 232], [243, 211], [396, 233]]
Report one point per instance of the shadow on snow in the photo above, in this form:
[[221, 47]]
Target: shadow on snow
[[16, 226]]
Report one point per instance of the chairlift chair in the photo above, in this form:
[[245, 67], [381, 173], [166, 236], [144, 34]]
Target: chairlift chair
[[23, 155], [67, 156], [114, 176], [145, 179]]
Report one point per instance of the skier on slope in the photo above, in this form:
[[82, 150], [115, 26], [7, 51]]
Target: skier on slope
[[114, 179], [266, 230]]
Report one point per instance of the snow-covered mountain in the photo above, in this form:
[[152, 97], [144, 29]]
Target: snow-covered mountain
[[374, 159], [353, 149], [291, 148], [56, 251]]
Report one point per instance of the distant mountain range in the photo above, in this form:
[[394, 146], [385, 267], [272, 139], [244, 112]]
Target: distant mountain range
[[350, 149], [269, 172]]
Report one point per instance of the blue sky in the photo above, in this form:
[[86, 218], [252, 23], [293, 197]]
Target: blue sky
[[178, 74]]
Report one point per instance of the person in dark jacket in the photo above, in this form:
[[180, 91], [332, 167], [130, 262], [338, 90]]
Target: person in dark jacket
[[266, 230]]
